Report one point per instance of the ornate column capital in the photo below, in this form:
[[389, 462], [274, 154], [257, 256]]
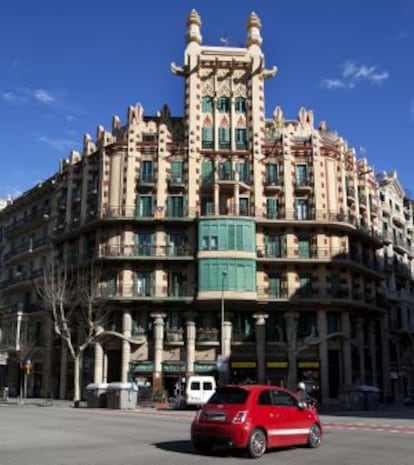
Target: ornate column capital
[[260, 318]]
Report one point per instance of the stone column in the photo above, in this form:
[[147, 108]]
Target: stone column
[[227, 335], [63, 370], [105, 368], [361, 354], [126, 345], [98, 365], [47, 388], [261, 346], [323, 353], [372, 352], [191, 338], [158, 348], [346, 349]]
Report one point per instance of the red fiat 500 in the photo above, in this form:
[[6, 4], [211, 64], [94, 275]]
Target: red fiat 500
[[255, 418]]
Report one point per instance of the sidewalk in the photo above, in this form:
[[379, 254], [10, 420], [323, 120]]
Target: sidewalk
[[390, 411]]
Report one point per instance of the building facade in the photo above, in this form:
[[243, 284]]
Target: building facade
[[232, 244]]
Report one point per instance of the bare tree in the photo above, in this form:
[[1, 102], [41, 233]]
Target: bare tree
[[293, 346], [78, 309]]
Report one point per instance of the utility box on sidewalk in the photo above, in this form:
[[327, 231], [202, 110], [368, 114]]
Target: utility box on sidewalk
[[96, 395], [122, 395]]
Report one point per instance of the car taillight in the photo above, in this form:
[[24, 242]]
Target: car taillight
[[240, 417], [200, 415]]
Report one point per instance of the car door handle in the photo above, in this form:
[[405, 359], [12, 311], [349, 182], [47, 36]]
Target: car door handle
[[274, 415]]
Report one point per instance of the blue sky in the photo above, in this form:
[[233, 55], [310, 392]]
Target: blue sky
[[67, 66]]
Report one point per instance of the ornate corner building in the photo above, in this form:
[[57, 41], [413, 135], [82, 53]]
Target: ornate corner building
[[264, 244]]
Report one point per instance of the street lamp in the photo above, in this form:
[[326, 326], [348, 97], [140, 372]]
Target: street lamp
[[223, 277]]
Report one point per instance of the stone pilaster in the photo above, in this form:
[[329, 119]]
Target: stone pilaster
[[372, 352], [346, 350], [323, 353], [361, 354]]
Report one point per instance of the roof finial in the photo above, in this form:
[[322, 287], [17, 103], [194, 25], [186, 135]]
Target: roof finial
[[253, 30], [194, 27]]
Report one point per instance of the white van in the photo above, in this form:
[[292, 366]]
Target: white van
[[196, 391]]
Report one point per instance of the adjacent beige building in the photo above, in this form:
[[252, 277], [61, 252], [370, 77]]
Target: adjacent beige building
[[224, 236]]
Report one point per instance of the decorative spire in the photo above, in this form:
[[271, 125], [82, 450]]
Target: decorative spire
[[253, 30], [194, 27]]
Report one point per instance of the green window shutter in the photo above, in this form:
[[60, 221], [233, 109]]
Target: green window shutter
[[177, 170], [207, 171], [207, 104], [272, 207], [207, 138]]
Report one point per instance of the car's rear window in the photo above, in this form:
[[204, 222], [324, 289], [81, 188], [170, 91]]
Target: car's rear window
[[229, 396]]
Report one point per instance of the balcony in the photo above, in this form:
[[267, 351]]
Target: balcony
[[145, 180], [146, 292], [207, 144], [207, 335], [176, 182], [303, 183], [174, 335], [273, 183], [145, 251]]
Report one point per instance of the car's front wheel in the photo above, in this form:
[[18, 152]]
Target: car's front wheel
[[315, 436], [257, 444]]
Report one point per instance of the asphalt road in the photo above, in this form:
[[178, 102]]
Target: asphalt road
[[54, 435]]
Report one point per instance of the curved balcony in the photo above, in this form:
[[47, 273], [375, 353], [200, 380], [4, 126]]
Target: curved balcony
[[146, 252]]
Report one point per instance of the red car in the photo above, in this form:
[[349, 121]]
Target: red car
[[255, 418]]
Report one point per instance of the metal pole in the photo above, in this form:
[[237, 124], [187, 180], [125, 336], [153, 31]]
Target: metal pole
[[223, 275]]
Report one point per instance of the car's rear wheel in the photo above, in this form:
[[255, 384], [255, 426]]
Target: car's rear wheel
[[257, 444], [202, 447], [315, 436]]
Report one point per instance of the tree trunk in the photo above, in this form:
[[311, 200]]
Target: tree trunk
[[76, 380], [291, 336]]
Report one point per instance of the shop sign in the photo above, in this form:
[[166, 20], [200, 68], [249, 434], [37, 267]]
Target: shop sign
[[310, 364], [173, 367], [277, 364], [204, 367], [243, 364], [141, 367]]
